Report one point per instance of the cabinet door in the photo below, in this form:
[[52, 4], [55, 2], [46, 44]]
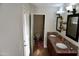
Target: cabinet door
[[50, 48]]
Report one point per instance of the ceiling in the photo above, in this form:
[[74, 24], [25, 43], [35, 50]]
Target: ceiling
[[50, 4]]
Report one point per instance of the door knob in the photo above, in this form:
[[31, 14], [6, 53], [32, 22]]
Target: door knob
[[25, 45]]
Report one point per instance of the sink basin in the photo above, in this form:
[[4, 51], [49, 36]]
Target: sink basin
[[52, 35], [61, 45]]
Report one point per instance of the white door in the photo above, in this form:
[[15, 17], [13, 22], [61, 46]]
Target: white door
[[26, 35]]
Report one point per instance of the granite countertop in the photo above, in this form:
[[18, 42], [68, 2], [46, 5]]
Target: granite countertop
[[57, 39]]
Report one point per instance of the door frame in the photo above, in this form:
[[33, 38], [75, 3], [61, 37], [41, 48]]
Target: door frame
[[32, 27]]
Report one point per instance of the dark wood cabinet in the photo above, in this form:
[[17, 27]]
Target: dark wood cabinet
[[50, 49], [55, 51]]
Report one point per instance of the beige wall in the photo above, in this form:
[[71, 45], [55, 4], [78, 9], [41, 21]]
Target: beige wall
[[11, 30]]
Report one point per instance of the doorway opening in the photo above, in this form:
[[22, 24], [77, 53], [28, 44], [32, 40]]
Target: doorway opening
[[38, 31]]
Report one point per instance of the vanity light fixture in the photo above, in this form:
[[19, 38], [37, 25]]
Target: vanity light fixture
[[71, 8], [61, 10]]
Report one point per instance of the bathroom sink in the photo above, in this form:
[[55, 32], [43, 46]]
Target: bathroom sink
[[61, 45], [52, 35]]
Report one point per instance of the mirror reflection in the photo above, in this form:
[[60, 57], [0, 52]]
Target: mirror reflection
[[72, 27]]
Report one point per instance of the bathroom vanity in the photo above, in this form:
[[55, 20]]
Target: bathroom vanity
[[59, 46]]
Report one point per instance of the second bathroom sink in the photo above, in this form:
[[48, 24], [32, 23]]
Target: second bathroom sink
[[61, 45]]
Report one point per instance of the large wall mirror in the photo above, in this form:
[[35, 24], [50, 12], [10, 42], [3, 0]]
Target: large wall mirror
[[72, 26]]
